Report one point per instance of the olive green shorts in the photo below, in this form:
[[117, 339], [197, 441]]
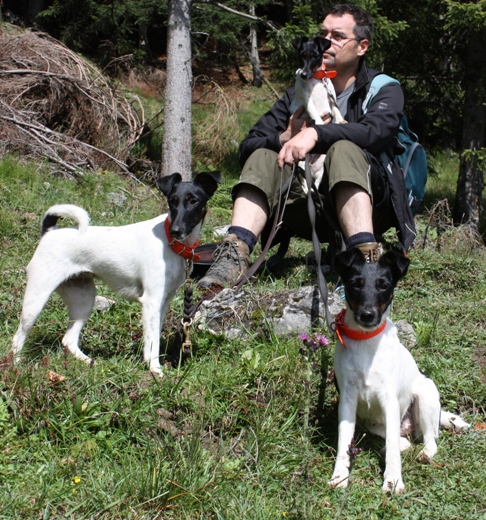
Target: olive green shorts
[[345, 162]]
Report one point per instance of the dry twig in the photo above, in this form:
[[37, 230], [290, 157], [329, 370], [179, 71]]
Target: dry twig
[[56, 105]]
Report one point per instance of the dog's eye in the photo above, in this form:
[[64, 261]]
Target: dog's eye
[[382, 285], [192, 201]]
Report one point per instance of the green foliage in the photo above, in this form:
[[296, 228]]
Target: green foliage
[[468, 17], [478, 157], [433, 84]]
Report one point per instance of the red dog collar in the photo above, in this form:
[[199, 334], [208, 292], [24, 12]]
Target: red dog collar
[[343, 330], [187, 252], [323, 73]]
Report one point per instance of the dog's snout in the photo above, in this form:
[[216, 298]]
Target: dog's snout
[[176, 232], [304, 75], [367, 318]]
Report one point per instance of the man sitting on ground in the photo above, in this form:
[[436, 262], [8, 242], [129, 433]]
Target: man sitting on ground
[[361, 198]]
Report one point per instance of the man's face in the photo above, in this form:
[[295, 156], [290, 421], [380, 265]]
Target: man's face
[[345, 50]]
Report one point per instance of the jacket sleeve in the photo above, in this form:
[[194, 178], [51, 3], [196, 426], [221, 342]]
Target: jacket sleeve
[[374, 131], [266, 132]]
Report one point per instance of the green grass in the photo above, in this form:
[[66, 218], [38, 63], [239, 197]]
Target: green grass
[[224, 436]]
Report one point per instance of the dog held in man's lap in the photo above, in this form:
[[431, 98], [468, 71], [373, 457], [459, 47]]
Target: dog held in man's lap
[[379, 382], [145, 261], [315, 92]]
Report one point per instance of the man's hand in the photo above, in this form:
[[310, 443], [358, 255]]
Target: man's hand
[[295, 149], [296, 124]]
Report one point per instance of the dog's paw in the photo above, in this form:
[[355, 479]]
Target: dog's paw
[[157, 371], [339, 480], [393, 485], [423, 457], [427, 452]]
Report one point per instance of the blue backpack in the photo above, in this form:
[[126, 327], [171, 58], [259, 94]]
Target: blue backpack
[[413, 160]]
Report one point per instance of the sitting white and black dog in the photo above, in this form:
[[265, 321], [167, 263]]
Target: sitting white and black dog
[[315, 92], [379, 382], [146, 261]]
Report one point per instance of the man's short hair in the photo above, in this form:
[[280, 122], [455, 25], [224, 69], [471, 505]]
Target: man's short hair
[[364, 23]]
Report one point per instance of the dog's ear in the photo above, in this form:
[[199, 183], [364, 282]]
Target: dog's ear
[[343, 261], [322, 43], [167, 183], [298, 42], [208, 181], [397, 263]]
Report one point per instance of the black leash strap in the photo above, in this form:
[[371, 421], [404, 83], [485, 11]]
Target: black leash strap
[[321, 279]]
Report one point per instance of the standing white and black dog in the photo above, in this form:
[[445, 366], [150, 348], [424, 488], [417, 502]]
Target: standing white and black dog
[[314, 90], [379, 382], [145, 261]]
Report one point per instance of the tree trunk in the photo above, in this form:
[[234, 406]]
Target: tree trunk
[[176, 143], [254, 57], [468, 205]]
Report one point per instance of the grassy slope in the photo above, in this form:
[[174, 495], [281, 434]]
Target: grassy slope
[[224, 436]]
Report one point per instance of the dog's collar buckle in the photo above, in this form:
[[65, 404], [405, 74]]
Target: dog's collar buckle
[[187, 252], [343, 330]]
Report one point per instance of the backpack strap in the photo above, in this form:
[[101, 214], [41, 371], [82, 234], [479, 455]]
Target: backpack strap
[[378, 81]]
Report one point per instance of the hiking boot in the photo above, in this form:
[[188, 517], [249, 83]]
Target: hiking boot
[[371, 250], [231, 260]]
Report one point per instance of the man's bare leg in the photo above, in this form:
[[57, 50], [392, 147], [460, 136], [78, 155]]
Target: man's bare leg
[[250, 209], [355, 215], [354, 210]]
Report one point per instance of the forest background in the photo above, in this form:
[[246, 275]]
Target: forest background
[[435, 48]]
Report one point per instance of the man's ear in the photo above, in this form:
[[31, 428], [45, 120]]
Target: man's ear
[[363, 47]]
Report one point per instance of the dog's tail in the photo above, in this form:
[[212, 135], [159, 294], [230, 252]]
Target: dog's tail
[[64, 210]]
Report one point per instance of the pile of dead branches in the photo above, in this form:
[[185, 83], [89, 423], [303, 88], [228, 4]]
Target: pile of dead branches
[[55, 105]]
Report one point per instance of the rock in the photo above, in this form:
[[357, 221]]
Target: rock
[[235, 313], [102, 304]]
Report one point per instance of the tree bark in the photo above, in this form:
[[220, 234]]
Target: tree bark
[[468, 205], [254, 56], [177, 139]]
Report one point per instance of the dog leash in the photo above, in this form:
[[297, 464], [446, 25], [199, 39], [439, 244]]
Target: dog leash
[[321, 279]]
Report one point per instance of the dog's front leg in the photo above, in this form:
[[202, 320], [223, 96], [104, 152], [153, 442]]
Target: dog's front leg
[[393, 465], [347, 421], [313, 112], [153, 311]]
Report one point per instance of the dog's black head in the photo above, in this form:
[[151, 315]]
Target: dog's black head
[[369, 286], [310, 54], [187, 200]]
